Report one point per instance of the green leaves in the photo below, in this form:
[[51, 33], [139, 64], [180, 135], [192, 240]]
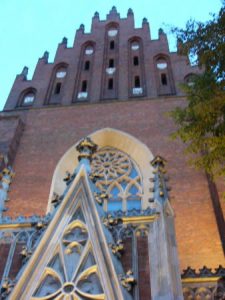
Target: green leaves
[[201, 124]]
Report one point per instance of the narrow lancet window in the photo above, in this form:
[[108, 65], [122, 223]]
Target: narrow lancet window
[[135, 61], [163, 79], [111, 63], [112, 45], [84, 86], [87, 65], [137, 83], [58, 88], [110, 84]]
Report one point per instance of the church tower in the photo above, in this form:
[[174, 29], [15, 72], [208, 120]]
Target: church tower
[[96, 201]]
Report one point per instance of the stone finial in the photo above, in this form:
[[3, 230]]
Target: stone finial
[[6, 179], [82, 27], [128, 280], [144, 21], [114, 9], [7, 286], [117, 248], [25, 71], [161, 31], [45, 56], [130, 12], [110, 221], [101, 197], [86, 148], [64, 40], [158, 161], [96, 15]]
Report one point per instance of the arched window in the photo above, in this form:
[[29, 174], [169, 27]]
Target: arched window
[[84, 73], [54, 95], [110, 83], [110, 74], [119, 177], [112, 45], [135, 61], [189, 79], [136, 72], [27, 97], [164, 76], [87, 65]]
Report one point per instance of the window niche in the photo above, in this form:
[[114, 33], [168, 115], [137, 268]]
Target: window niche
[[112, 45], [87, 65], [57, 82], [164, 77], [135, 60], [110, 84], [136, 72], [189, 79], [27, 97], [110, 74], [84, 73]]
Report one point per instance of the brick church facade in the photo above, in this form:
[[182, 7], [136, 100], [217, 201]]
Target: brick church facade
[[102, 204]]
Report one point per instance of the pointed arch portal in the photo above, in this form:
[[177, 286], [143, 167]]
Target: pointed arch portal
[[137, 153]]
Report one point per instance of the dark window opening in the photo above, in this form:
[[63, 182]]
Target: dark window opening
[[110, 84], [111, 63], [58, 88], [137, 82], [163, 79], [84, 86], [87, 65], [135, 61], [112, 45]]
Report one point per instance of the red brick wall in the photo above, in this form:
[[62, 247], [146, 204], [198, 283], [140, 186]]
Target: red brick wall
[[4, 251], [17, 261], [143, 268], [50, 132], [11, 129], [126, 258]]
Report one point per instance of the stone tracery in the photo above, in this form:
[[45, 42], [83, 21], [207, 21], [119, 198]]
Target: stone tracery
[[72, 273], [119, 177]]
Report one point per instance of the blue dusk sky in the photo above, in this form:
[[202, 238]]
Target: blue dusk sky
[[29, 27]]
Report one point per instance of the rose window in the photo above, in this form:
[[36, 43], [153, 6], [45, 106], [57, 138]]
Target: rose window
[[119, 177]]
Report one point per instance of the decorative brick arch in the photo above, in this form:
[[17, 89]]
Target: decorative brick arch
[[50, 97]]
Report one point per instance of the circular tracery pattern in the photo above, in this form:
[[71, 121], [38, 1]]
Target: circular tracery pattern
[[119, 177], [111, 164]]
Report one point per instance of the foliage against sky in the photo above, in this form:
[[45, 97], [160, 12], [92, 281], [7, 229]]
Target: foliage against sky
[[202, 122]]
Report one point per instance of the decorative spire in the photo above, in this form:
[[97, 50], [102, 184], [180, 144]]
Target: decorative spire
[[64, 40], [158, 161], [113, 10], [113, 13], [96, 15], [161, 31], [86, 148], [144, 21], [45, 56], [24, 72], [160, 189], [81, 27], [130, 12]]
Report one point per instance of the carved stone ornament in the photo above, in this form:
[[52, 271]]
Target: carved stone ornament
[[70, 261], [128, 280], [6, 179]]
